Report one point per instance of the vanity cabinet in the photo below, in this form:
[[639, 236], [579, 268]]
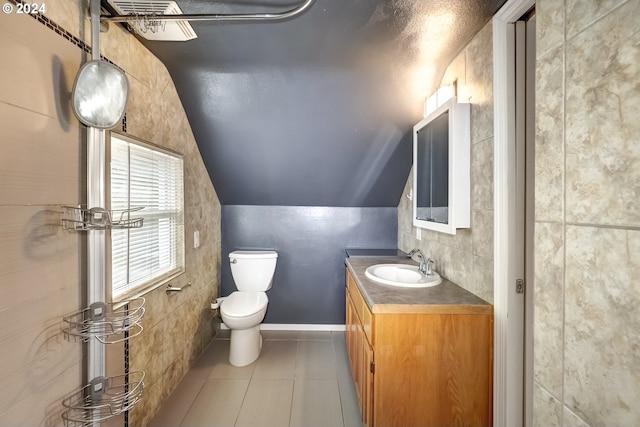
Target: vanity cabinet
[[360, 350], [420, 364]]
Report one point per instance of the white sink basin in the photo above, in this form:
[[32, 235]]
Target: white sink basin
[[402, 275]]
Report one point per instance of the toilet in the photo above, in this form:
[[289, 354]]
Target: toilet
[[244, 309]]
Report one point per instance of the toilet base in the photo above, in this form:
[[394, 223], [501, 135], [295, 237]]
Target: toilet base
[[245, 346]]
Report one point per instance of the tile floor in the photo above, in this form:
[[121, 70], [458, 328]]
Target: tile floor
[[301, 379]]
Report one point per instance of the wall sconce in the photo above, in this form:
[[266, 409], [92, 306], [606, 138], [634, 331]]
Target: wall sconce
[[442, 95], [100, 94]]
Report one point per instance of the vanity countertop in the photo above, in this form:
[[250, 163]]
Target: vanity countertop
[[446, 297], [390, 252]]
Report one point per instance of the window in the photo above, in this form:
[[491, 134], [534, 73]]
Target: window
[[145, 176]]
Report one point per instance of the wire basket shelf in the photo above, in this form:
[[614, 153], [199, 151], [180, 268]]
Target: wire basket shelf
[[102, 399], [106, 322], [82, 219]]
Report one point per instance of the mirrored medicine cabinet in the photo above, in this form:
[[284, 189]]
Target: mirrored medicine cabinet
[[441, 178]]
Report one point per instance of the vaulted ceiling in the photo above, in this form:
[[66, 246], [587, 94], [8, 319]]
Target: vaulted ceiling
[[316, 110]]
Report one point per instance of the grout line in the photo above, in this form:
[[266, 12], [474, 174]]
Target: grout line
[[340, 391], [192, 401], [61, 31], [564, 208], [300, 381]]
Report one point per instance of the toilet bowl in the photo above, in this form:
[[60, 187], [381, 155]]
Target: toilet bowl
[[243, 310]]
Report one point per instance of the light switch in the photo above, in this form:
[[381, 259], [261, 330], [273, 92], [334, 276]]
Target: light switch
[[196, 239]]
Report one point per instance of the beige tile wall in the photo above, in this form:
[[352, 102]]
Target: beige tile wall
[[587, 231], [587, 236], [42, 267], [465, 258]]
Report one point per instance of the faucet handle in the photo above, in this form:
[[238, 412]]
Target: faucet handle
[[429, 264]]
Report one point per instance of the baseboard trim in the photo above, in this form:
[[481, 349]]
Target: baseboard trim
[[296, 327]]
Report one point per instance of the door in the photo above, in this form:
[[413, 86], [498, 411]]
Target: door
[[525, 149], [512, 263]]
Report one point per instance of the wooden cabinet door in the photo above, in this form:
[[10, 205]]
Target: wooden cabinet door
[[367, 384], [353, 338], [360, 359], [350, 330], [358, 370]]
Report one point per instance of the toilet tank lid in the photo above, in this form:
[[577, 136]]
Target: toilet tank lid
[[253, 254]]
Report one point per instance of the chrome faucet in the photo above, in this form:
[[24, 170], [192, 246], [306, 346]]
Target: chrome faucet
[[426, 264]]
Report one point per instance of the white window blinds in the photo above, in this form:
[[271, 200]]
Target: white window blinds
[[146, 176]]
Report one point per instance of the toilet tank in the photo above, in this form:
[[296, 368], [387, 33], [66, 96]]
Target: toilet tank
[[253, 270]]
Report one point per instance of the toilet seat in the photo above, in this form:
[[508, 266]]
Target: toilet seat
[[244, 304]]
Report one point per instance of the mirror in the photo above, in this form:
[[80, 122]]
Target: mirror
[[433, 180], [100, 94], [441, 153]]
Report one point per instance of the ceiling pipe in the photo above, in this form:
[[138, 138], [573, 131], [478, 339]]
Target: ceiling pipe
[[217, 17]]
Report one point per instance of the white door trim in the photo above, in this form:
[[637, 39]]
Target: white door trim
[[508, 306]]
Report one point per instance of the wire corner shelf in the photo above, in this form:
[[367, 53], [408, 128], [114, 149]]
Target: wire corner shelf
[[103, 398], [106, 322], [77, 218]]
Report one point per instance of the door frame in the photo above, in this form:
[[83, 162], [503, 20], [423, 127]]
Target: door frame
[[509, 313]]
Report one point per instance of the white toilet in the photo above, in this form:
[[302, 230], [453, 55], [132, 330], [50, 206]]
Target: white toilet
[[244, 309]]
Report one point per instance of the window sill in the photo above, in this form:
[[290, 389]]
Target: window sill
[[143, 290]]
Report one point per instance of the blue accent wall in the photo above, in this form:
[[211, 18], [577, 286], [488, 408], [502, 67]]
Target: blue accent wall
[[308, 285]]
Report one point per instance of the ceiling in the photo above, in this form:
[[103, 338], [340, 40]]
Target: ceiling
[[316, 110]]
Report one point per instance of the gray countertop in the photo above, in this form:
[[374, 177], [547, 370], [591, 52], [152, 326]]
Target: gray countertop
[[390, 252], [446, 297]]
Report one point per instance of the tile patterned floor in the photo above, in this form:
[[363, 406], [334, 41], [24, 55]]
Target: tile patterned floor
[[301, 379]]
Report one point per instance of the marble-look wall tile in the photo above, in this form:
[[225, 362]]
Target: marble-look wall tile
[[38, 71], [36, 156], [404, 241], [405, 206], [148, 406], [144, 118], [147, 352], [479, 83], [482, 278], [43, 404], [603, 154], [549, 26], [482, 175], [69, 15], [156, 307], [549, 144], [175, 371], [602, 381], [42, 170], [177, 127], [143, 64], [465, 258], [482, 236], [461, 240], [114, 45], [460, 266], [598, 167], [547, 410], [548, 292], [455, 73], [441, 254], [40, 278], [571, 419], [163, 79], [581, 14]]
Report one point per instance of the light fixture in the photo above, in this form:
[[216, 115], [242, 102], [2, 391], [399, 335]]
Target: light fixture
[[442, 95], [100, 94]]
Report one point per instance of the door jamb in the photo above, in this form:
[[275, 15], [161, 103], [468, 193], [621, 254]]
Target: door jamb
[[508, 361]]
